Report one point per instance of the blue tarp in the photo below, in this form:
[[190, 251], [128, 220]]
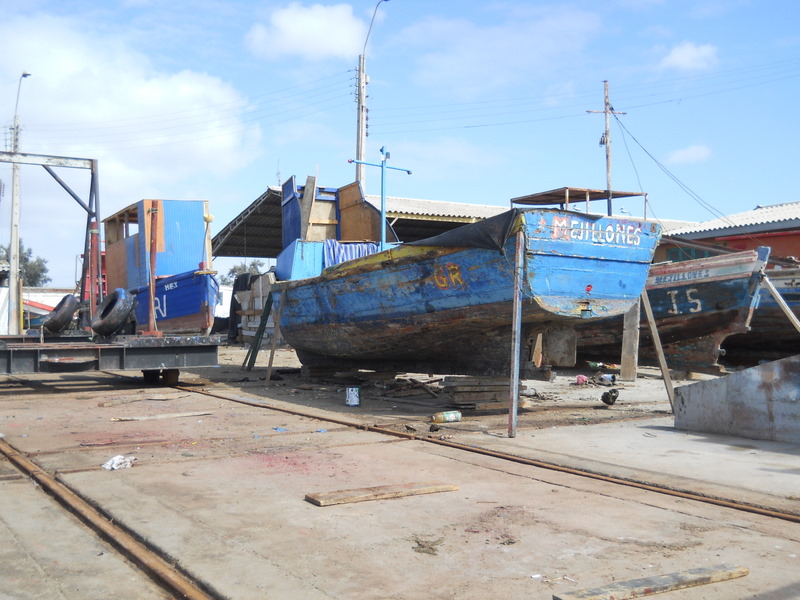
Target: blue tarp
[[336, 252]]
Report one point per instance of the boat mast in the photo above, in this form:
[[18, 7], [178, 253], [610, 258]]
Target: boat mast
[[606, 141]]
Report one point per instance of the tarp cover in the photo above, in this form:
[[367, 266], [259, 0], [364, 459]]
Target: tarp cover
[[336, 252], [490, 233]]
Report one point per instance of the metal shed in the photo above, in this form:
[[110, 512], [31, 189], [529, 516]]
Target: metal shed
[[257, 230]]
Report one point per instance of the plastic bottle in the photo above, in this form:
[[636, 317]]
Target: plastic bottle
[[449, 416]]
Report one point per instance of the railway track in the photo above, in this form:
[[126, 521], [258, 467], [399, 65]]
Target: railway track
[[539, 464], [164, 569]]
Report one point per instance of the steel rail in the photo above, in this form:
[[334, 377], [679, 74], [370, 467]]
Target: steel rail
[[650, 487], [165, 574]]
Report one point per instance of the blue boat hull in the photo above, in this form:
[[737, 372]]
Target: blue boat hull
[[771, 335], [696, 304], [184, 303], [435, 308]]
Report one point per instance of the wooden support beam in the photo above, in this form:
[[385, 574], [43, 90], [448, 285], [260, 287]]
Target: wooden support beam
[[647, 586], [782, 303], [307, 206], [630, 343], [276, 331], [381, 492], [662, 361]]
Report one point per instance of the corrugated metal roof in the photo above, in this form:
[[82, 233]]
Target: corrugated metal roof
[[396, 206], [762, 218], [256, 231]]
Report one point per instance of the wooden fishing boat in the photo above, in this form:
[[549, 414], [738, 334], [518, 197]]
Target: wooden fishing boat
[[771, 335], [445, 304], [696, 304], [183, 303]]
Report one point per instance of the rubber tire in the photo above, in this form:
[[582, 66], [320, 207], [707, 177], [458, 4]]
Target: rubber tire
[[61, 315], [151, 376], [171, 376], [113, 312]]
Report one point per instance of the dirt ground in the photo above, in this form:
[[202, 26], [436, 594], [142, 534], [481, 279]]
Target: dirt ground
[[224, 464], [547, 403]]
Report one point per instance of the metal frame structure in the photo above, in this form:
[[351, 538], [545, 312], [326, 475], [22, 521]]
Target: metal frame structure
[[91, 273], [26, 354]]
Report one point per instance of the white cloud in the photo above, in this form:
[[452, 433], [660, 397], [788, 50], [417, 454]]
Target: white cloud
[[314, 32], [690, 155], [154, 133], [688, 56], [469, 57]]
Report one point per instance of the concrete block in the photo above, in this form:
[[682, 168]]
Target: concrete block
[[761, 403]]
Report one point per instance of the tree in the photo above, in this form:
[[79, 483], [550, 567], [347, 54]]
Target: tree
[[33, 271], [254, 268]]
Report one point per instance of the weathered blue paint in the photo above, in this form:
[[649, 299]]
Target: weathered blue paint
[[696, 305], [182, 235], [771, 335], [184, 303], [300, 260], [453, 305]]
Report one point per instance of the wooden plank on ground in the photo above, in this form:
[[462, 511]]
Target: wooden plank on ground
[[162, 416], [480, 388], [462, 380], [498, 405], [479, 396], [660, 583], [381, 492]]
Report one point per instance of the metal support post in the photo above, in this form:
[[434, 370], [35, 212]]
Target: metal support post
[[516, 335]]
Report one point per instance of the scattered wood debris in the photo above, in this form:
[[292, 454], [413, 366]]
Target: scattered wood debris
[[426, 546], [647, 586], [480, 393], [164, 416], [381, 492]]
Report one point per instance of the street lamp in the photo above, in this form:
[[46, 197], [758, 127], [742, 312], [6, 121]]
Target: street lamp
[[361, 129], [14, 312]]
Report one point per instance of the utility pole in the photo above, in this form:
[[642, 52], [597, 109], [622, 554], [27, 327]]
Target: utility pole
[[606, 141], [630, 328], [361, 99], [14, 312]]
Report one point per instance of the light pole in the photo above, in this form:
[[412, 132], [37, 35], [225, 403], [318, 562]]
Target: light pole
[[384, 157], [361, 127], [14, 313]]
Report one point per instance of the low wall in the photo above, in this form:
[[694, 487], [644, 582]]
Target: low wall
[[761, 403]]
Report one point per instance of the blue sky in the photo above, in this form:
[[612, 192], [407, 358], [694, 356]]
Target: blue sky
[[482, 100]]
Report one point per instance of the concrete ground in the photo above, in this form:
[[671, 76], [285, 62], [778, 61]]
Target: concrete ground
[[222, 493]]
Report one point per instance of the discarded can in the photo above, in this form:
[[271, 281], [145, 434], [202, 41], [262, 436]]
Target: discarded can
[[352, 396], [449, 416]]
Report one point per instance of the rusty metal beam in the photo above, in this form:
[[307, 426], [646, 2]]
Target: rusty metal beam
[[21, 158], [151, 563]]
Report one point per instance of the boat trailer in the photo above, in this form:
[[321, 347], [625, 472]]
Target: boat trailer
[[157, 357]]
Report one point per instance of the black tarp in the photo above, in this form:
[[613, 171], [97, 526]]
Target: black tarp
[[490, 233]]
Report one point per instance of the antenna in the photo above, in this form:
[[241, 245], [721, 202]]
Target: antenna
[[605, 140]]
